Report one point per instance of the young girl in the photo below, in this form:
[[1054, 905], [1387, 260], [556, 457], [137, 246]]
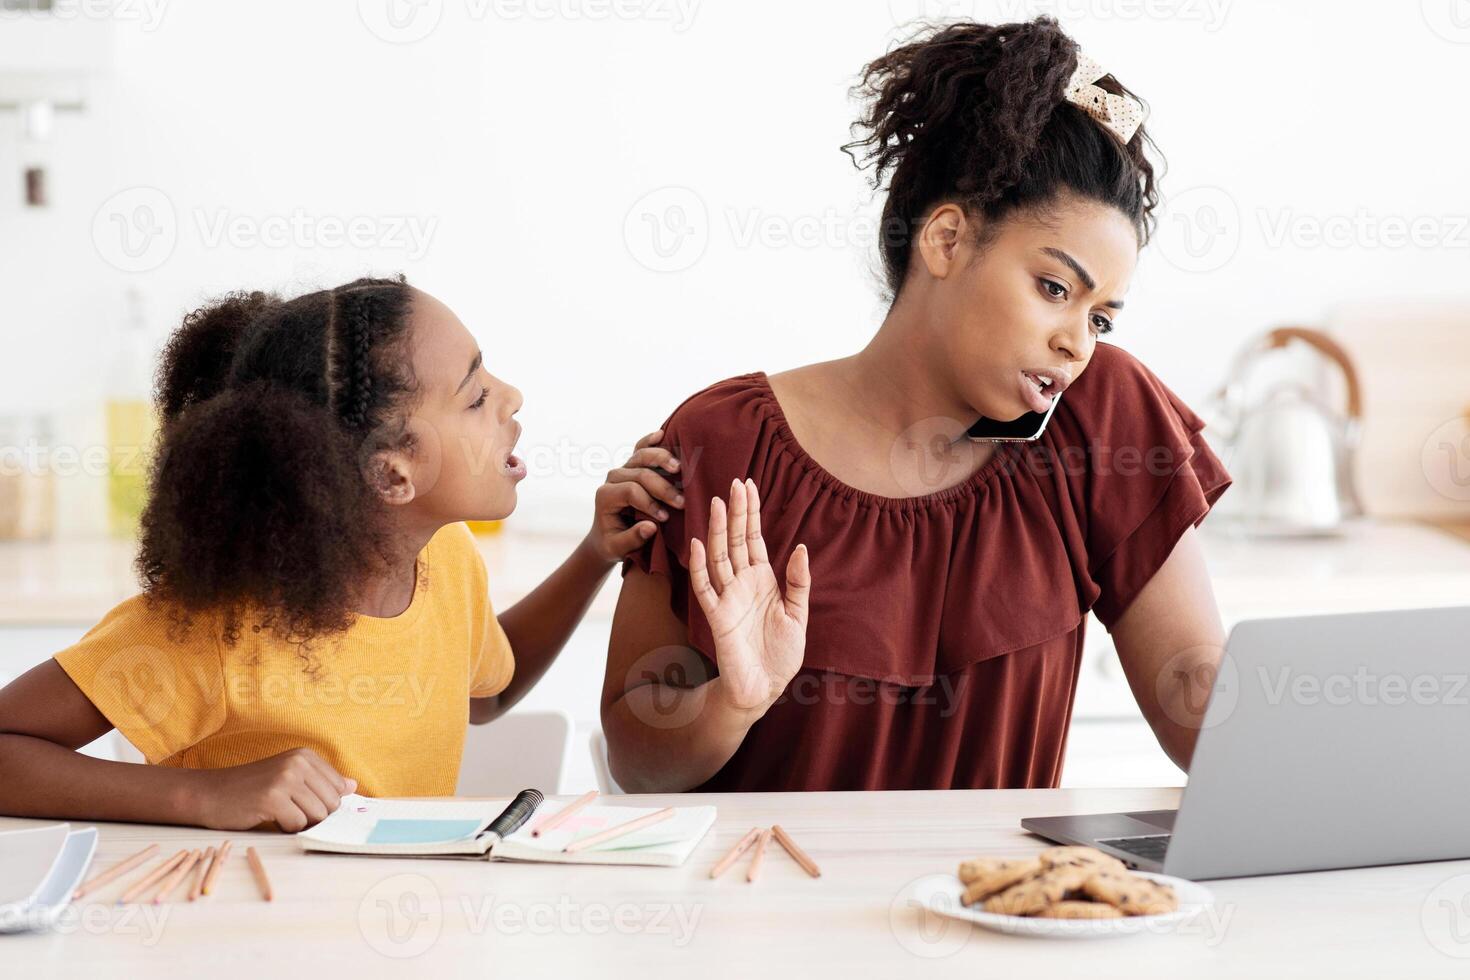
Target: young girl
[[934, 639], [315, 618]]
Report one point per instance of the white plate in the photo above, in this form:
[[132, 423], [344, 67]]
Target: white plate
[[941, 894]]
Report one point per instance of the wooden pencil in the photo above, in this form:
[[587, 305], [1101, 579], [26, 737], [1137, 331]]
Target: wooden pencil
[[176, 876], [658, 816], [120, 868], [257, 868], [553, 820], [215, 865], [760, 855], [741, 846], [201, 869], [784, 839], [148, 880]]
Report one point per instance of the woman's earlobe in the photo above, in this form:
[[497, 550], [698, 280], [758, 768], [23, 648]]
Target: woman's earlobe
[[939, 239]]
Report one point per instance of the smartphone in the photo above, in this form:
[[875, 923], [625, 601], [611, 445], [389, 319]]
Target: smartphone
[[1025, 428]]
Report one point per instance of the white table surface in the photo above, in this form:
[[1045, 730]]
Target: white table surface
[[352, 917]]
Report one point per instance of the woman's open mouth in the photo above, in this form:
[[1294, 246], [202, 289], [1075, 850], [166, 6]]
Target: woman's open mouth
[[1037, 391]]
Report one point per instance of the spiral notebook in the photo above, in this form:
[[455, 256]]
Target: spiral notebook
[[463, 828]]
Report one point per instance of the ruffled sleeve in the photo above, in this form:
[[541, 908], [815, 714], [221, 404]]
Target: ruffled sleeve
[[1139, 471], [713, 434]]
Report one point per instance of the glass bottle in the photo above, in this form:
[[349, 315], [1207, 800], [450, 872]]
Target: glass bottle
[[130, 421]]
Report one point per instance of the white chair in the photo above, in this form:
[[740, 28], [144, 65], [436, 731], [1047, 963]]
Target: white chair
[[606, 785], [126, 751], [523, 750], [114, 748]]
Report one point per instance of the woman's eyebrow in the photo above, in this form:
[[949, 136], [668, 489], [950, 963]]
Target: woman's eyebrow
[[1087, 280], [1076, 266], [474, 366]]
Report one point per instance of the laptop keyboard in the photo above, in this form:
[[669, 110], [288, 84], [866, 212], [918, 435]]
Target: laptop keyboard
[[1151, 847]]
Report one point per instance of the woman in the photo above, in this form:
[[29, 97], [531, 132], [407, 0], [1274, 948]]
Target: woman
[[933, 637]]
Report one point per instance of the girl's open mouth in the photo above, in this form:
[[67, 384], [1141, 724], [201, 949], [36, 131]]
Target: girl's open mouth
[[514, 467]]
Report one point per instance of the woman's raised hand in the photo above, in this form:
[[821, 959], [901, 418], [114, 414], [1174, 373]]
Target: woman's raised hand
[[760, 635]]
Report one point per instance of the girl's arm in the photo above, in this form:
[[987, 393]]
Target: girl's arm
[[539, 625], [45, 718], [1170, 640], [670, 725]]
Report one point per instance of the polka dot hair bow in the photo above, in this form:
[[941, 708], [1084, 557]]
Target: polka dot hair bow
[[1119, 113]]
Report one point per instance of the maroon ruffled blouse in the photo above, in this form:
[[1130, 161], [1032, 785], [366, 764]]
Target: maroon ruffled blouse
[[946, 630]]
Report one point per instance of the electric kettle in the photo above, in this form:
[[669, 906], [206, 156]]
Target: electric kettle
[[1290, 453]]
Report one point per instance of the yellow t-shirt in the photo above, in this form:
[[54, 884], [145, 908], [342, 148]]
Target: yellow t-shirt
[[386, 702]]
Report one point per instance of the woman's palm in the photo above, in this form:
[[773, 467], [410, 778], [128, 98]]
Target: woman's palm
[[759, 634]]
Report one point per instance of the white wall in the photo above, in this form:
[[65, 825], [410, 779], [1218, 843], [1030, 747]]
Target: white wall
[[526, 132]]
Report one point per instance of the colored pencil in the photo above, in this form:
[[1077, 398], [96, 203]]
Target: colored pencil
[[215, 865], [759, 857], [807, 864], [120, 868], [658, 816], [741, 846], [176, 876], [202, 869], [152, 877], [553, 820], [257, 868]]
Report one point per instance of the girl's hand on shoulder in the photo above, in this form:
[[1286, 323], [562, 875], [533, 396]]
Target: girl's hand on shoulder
[[641, 485], [295, 790]]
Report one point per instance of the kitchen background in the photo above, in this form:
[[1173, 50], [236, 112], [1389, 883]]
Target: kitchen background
[[628, 199]]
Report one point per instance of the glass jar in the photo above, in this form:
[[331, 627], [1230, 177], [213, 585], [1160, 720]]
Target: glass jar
[[27, 479]]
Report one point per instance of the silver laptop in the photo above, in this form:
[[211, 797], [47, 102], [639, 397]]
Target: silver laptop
[[1335, 741]]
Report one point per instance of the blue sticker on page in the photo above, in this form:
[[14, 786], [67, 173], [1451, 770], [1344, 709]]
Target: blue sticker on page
[[421, 831]]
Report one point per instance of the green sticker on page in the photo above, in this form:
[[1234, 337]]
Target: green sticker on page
[[421, 831]]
